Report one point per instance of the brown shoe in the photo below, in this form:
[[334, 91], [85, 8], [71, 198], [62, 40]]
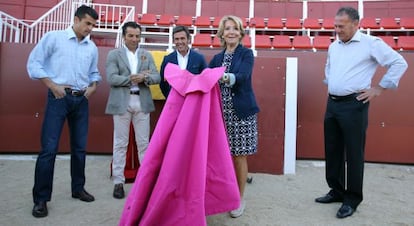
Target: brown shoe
[[119, 192]]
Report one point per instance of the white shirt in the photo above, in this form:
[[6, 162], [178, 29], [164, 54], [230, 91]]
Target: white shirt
[[133, 65], [183, 60], [351, 66]]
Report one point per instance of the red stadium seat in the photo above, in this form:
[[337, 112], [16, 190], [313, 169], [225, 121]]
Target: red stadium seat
[[321, 42], [282, 42], [390, 41], [328, 23], [293, 23], [202, 40], [148, 19], [247, 41], [216, 21], [263, 41], [368, 22], [110, 17], [203, 21], [275, 23], [312, 23], [257, 22], [166, 20], [407, 23], [405, 42], [389, 23], [185, 20], [216, 41], [301, 42]]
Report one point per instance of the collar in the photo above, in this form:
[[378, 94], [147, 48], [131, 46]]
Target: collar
[[127, 50], [72, 35], [186, 55], [355, 38]]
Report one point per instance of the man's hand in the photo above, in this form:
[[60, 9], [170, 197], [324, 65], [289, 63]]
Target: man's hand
[[90, 90], [369, 94], [139, 78]]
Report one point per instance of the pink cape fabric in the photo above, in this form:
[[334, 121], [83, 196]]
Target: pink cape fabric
[[187, 172]]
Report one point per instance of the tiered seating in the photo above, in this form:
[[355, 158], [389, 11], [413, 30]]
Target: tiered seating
[[301, 42], [257, 22], [282, 42], [147, 19], [110, 17], [275, 23], [407, 23], [203, 21], [321, 42], [263, 41], [247, 41], [216, 21], [216, 42], [293, 23], [405, 42], [203, 40], [390, 41], [328, 23], [275, 33], [389, 23], [166, 20], [312, 23], [185, 20], [370, 23]]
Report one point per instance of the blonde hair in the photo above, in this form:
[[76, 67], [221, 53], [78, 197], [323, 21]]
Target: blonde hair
[[237, 21]]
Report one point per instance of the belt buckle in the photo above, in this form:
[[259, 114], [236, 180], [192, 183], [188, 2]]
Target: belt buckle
[[333, 98], [75, 92]]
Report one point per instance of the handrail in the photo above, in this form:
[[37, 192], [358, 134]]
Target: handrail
[[59, 17]]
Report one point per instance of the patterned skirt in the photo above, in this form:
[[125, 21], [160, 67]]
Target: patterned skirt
[[242, 133]]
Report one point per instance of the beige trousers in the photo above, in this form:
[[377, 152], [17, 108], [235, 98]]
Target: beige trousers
[[141, 122]]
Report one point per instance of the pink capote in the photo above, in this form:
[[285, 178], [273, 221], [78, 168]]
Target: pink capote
[[187, 172]]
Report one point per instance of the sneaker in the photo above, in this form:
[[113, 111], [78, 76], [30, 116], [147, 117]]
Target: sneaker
[[119, 191], [239, 211]]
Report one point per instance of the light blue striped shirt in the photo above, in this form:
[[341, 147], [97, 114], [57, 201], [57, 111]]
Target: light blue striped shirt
[[351, 66], [61, 58]]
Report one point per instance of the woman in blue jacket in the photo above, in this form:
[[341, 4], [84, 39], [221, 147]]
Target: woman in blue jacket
[[239, 103]]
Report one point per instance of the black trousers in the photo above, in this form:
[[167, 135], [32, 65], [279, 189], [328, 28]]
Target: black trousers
[[345, 125]]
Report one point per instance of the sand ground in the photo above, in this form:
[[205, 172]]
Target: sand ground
[[272, 200]]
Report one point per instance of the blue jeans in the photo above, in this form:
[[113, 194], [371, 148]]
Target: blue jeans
[[75, 109]]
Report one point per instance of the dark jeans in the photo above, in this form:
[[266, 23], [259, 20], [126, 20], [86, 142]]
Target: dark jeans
[[75, 109], [345, 126]]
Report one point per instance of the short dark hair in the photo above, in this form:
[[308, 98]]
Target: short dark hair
[[182, 28], [83, 10], [351, 12], [131, 24]]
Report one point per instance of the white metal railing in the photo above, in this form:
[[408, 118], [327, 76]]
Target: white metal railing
[[15, 30], [111, 18]]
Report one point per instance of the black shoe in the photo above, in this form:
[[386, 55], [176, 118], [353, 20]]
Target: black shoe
[[40, 209], [345, 211], [83, 195], [329, 198], [119, 191]]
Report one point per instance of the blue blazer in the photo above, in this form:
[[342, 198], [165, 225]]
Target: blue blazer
[[196, 64], [244, 101]]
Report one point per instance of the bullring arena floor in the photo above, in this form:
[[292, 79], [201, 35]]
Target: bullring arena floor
[[272, 200]]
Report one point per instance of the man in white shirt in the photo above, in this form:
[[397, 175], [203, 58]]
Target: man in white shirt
[[186, 58], [351, 64], [129, 70]]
